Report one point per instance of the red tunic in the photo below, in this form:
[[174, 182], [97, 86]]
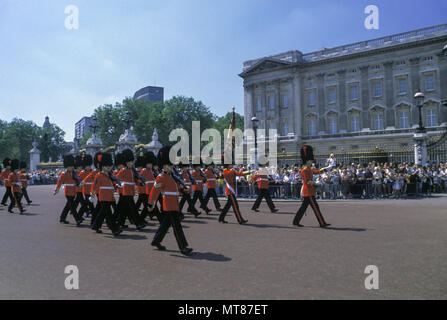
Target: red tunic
[[262, 180], [149, 180], [126, 177], [88, 181], [4, 176], [66, 179], [199, 180], [167, 186], [188, 182], [230, 180], [14, 180], [81, 175], [24, 177], [103, 187], [210, 179], [308, 190]]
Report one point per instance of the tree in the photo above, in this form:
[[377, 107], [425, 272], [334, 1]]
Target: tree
[[51, 142], [110, 120], [19, 136], [223, 123]]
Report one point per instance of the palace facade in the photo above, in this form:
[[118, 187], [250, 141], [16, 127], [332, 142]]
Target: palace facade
[[352, 99]]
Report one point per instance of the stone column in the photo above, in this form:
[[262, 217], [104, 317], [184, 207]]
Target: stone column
[[248, 105], [343, 118], [278, 107], [390, 117], [126, 141], [321, 104], [93, 145], [442, 64], [34, 156], [154, 145], [420, 148], [364, 84], [297, 107], [415, 86]]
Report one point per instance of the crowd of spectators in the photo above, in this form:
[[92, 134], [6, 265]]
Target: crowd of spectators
[[352, 181], [41, 177]]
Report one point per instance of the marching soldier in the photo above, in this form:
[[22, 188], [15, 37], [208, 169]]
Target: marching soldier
[[16, 186], [143, 196], [211, 181], [87, 177], [168, 188], [4, 176], [308, 189], [103, 186], [70, 181], [24, 178], [262, 178], [129, 179], [199, 178], [186, 193], [229, 175], [80, 174], [149, 175]]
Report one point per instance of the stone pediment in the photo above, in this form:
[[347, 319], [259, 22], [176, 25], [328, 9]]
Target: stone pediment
[[265, 64]]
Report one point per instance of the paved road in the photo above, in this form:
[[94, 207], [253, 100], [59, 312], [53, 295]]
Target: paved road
[[265, 259]]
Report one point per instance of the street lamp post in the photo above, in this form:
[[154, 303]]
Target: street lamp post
[[420, 144], [255, 122]]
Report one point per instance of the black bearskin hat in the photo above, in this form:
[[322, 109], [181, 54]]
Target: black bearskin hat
[[95, 160], [119, 159], [104, 159], [140, 162], [6, 162], [87, 160], [78, 162], [149, 157], [163, 157], [22, 165], [307, 153], [128, 155], [69, 161], [15, 164]]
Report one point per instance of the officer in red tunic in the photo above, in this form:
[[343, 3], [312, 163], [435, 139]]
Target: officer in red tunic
[[104, 187], [186, 194], [143, 196], [16, 186], [200, 179], [24, 178], [262, 178], [211, 182], [308, 189], [4, 176], [69, 180], [80, 174], [229, 175], [166, 185], [87, 179]]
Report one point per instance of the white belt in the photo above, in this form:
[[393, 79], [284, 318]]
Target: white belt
[[147, 182], [106, 188], [188, 183], [170, 193], [199, 181], [69, 185], [88, 183], [129, 183], [211, 179], [263, 179], [18, 184]]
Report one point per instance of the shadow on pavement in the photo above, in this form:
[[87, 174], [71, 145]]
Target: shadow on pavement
[[203, 256], [341, 229], [127, 236], [264, 226]]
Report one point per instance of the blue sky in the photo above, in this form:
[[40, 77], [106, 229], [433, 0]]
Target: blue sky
[[191, 47]]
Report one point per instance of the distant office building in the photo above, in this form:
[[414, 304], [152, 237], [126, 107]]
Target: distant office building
[[153, 94], [82, 126]]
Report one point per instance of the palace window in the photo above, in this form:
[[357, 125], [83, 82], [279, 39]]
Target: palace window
[[284, 100], [377, 89], [271, 102], [311, 125], [355, 122], [312, 98], [354, 92], [285, 128], [403, 120], [431, 118], [332, 125], [258, 104], [402, 82], [430, 82], [331, 95], [378, 121]]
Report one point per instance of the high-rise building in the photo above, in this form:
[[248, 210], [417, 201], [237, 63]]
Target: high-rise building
[[82, 126], [153, 94]]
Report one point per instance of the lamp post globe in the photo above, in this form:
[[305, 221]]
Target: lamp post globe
[[419, 97], [255, 122]]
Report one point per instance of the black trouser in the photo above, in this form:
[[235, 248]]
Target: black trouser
[[263, 193], [105, 212], [69, 207], [25, 195], [128, 209], [211, 193], [171, 218], [313, 203], [198, 195], [95, 213], [8, 194], [86, 206], [186, 197], [142, 200], [17, 201], [231, 202], [79, 199]]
